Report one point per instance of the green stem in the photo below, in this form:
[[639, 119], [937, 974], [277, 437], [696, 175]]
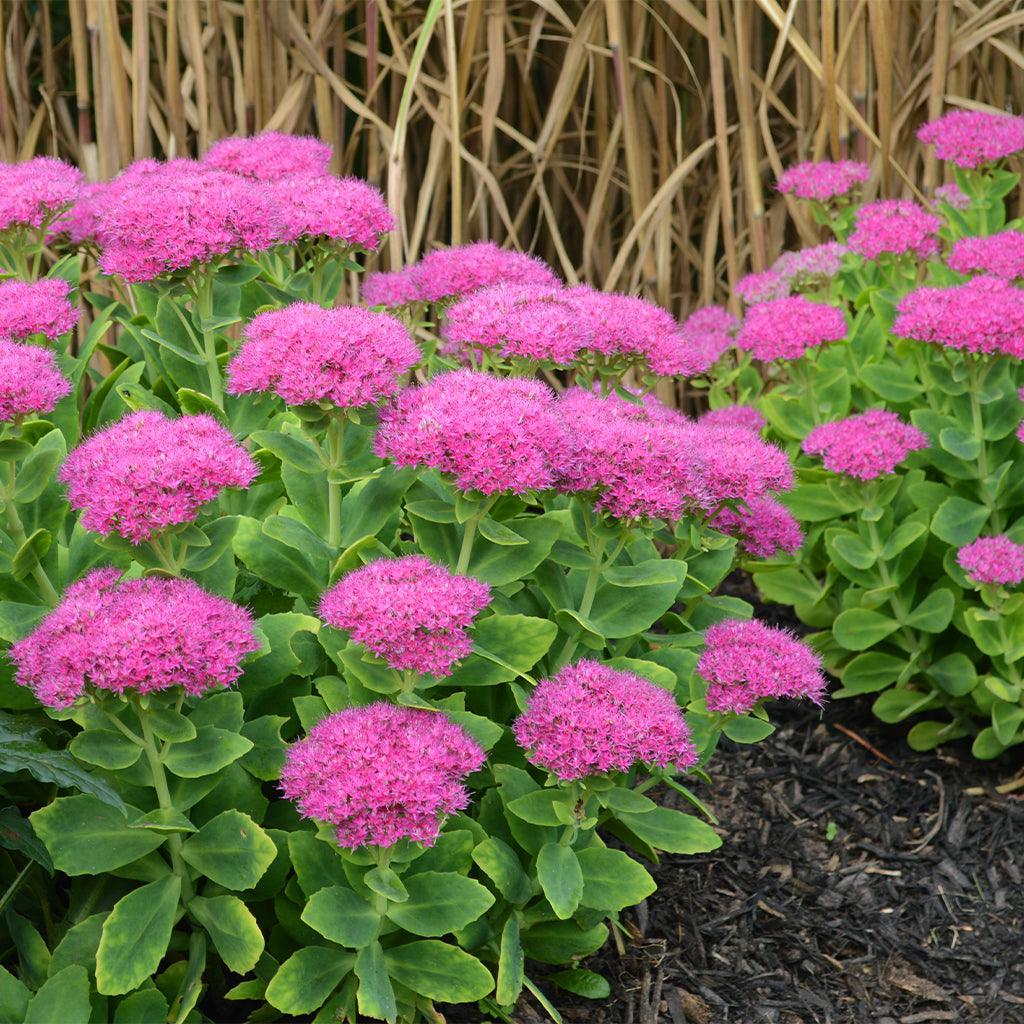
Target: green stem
[[16, 529], [468, 534], [597, 546], [204, 306], [895, 600], [336, 455], [164, 555], [163, 795]]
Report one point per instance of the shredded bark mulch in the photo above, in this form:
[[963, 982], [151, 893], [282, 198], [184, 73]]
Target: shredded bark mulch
[[848, 889]]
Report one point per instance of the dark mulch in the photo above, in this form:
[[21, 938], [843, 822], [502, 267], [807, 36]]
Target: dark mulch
[[847, 890]]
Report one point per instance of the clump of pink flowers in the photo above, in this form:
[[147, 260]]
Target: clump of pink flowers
[[30, 382], [491, 434], [381, 773], [953, 196], [270, 156], [35, 191], [704, 337], [36, 307], [993, 560], [159, 218], [762, 287], [409, 611], [807, 268], [347, 356], [983, 315], [389, 288], [590, 719], [343, 211], [745, 662], [895, 227], [1001, 255], [147, 472], [745, 416], [824, 180], [134, 636], [865, 446], [81, 221], [971, 138], [764, 526], [787, 328]]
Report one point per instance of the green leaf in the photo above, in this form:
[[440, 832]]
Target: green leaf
[[342, 916], [556, 942], [316, 864], [497, 533], [440, 902], [79, 945], [934, 613], [232, 850], [433, 510], [63, 999], [266, 758], [538, 807], [747, 729], [171, 725], [439, 971], [987, 745], [928, 735], [307, 978], [211, 750], [902, 537], [1006, 719], [816, 503], [510, 964], [105, 748], [233, 929], [88, 837], [561, 878], [890, 382], [499, 564], [30, 554], [612, 880], [851, 548], [37, 470], [955, 673], [516, 641], [581, 982], [277, 563], [148, 1006], [627, 801], [14, 996], [959, 521], [787, 586], [385, 882], [135, 936], [868, 673], [164, 819], [500, 863], [856, 629], [375, 994], [960, 443], [671, 831]]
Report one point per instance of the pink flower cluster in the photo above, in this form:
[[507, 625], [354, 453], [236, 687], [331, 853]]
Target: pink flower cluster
[[806, 268], [745, 416], [81, 222], [787, 328], [36, 307], [32, 192], [158, 218], [1001, 255], [270, 156], [492, 434], [347, 356], [971, 138], [139, 635], [590, 719], [381, 774], [762, 287], [993, 560], [895, 227], [824, 180], [983, 315], [409, 611], [764, 527], [30, 382], [865, 446], [147, 472], [705, 336], [459, 271], [745, 662], [951, 195]]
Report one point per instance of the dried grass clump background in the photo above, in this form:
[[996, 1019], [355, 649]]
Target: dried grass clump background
[[632, 143]]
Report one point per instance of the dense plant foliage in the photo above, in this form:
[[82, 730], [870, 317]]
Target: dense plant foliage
[[909, 428], [351, 649]]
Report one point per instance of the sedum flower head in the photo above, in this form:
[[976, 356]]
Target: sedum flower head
[[409, 611], [983, 315], [952, 196], [704, 337], [30, 383], [993, 560], [389, 288], [304, 353], [895, 227], [160, 218], [762, 287], [36, 307], [491, 434], [450, 273], [590, 719], [345, 211], [34, 191], [136, 636], [81, 221], [865, 446], [787, 328], [1001, 255], [745, 416], [808, 268], [270, 156], [823, 180], [745, 662], [970, 138], [381, 774], [763, 527], [147, 472]]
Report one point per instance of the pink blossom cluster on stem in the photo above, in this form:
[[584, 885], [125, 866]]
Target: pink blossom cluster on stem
[[30, 381], [36, 307], [973, 138], [998, 560], [866, 446]]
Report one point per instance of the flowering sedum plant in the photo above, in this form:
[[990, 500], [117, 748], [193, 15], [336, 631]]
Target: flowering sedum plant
[[908, 432], [359, 658]]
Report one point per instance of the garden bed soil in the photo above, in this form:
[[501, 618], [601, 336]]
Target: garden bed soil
[[853, 885]]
